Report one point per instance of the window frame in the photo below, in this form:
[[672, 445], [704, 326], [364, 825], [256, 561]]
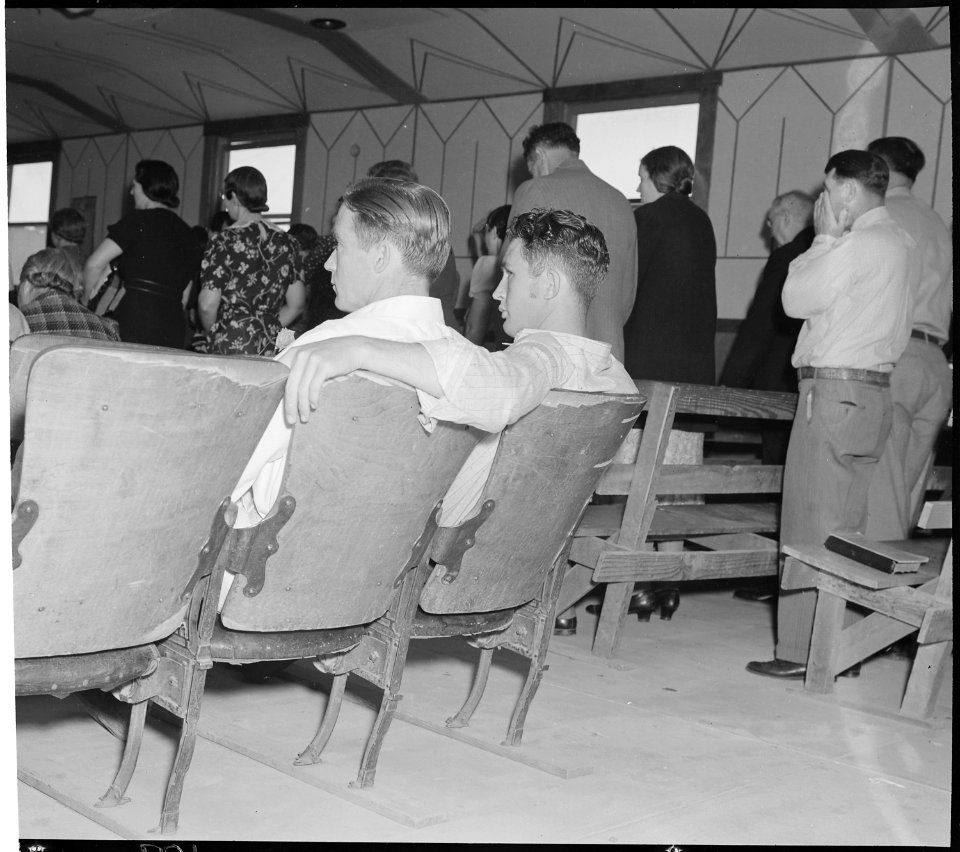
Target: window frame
[[567, 102], [219, 137]]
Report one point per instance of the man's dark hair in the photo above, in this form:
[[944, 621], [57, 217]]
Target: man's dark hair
[[395, 169], [869, 170], [900, 154], [567, 241], [556, 135]]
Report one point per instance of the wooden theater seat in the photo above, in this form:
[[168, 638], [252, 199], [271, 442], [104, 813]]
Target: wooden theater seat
[[356, 514], [496, 576], [128, 462], [723, 537]]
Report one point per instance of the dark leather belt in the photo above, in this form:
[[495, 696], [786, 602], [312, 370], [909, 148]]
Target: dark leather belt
[[868, 377], [922, 335], [141, 285]]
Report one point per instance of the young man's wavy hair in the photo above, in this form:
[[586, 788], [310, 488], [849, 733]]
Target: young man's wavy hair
[[568, 242], [408, 215]]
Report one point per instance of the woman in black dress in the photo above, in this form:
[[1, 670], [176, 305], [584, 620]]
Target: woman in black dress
[[156, 253], [669, 336]]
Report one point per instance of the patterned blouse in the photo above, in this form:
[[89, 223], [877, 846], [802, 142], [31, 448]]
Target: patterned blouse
[[251, 267]]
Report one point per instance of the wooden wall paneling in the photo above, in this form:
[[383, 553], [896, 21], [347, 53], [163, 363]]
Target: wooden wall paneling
[[395, 127], [918, 109], [787, 110]]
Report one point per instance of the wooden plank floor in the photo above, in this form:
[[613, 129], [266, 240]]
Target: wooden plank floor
[[672, 742]]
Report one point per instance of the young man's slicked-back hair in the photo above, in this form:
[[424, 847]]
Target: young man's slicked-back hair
[[869, 170], [900, 154], [567, 241], [408, 215], [555, 135]]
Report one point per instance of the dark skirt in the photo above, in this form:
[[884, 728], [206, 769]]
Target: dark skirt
[[152, 319]]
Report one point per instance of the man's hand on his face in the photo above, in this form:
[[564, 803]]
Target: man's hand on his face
[[825, 220], [313, 364]]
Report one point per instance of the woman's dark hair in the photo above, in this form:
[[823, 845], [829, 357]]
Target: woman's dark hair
[[249, 187], [158, 181], [670, 169], [68, 224], [498, 219], [305, 235]]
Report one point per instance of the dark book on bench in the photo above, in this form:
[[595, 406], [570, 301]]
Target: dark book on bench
[[883, 557]]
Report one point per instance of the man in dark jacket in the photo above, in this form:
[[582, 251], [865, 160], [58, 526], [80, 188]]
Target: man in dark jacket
[[760, 356]]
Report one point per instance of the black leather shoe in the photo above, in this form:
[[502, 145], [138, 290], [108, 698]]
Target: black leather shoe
[[777, 668], [783, 668], [641, 604], [669, 600], [565, 627]]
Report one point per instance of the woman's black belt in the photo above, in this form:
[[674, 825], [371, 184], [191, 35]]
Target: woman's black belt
[[141, 285]]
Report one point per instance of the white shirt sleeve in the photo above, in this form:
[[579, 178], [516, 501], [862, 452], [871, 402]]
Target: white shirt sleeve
[[489, 390]]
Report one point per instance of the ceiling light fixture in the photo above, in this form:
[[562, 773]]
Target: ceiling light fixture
[[328, 24]]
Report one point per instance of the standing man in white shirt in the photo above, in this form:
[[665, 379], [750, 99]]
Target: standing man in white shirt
[[921, 384], [852, 289]]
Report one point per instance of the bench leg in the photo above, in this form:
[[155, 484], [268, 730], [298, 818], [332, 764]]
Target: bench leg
[[927, 673], [825, 642], [616, 601]]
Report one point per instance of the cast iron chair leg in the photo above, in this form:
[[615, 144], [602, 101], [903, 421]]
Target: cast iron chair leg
[[311, 754], [170, 816], [530, 686], [128, 763], [463, 716], [371, 753]]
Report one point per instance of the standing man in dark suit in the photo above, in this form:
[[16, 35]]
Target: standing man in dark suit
[[760, 356]]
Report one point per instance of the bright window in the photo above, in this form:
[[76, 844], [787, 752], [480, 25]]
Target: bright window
[[28, 208], [612, 143]]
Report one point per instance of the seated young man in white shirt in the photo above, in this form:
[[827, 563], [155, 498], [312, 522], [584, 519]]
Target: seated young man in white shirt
[[552, 268]]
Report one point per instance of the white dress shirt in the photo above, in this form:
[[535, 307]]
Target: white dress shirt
[[404, 318], [491, 390], [933, 297], [854, 291]]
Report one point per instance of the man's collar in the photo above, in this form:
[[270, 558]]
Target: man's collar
[[871, 217], [902, 191], [403, 307]]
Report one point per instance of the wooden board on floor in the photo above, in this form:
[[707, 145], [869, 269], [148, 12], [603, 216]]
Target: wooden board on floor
[[49, 778], [232, 724]]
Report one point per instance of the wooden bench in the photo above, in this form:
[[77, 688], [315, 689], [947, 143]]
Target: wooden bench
[[920, 601], [616, 542]]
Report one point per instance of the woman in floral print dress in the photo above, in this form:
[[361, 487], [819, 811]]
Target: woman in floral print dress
[[251, 280]]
